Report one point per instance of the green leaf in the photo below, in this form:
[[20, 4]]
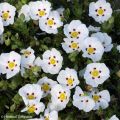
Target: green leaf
[[107, 26], [73, 56], [66, 14], [17, 99]]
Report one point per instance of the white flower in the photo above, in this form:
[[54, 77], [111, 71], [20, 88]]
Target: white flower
[[105, 39], [7, 13], [101, 99], [39, 9], [46, 85], [114, 118], [32, 65], [71, 45], [82, 101], [1, 27], [51, 23], [31, 92], [25, 10], [37, 61], [101, 10], [60, 11], [52, 61], [34, 107], [92, 48], [118, 48], [10, 64], [96, 73], [53, 115], [76, 30], [93, 29], [68, 78], [27, 56], [59, 97]]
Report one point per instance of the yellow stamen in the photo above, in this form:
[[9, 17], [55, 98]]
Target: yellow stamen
[[74, 45], [62, 96], [11, 65], [100, 11], [46, 118], [70, 81], [45, 87], [31, 109], [96, 98], [50, 22], [31, 97], [95, 73], [90, 50], [27, 53], [74, 34], [42, 13], [52, 61], [5, 15]]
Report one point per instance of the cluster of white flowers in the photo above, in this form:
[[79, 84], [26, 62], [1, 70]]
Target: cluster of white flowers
[[32, 94], [75, 32], [49, 20], [60, 90], [77, 39], [92, 100]]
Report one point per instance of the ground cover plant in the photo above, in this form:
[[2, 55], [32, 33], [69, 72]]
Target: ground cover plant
[[60, 59]]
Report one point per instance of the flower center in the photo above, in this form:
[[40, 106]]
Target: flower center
[[62, 96], [50, 22], [11, 65], [70, 81], [31, 97], [95, 73], [46, 118], [27, 53], [74, 34], [96, 98], [5, 15], [90, 50], [100, 11], [45, 87], [41, 13], [31, 109], [74, 45], [52, 61]]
